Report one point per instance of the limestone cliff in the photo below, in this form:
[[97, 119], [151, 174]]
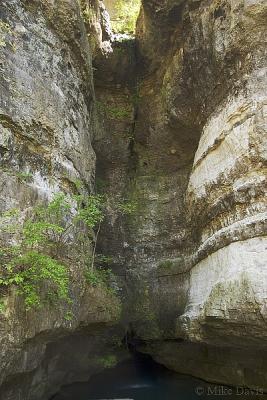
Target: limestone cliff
[[214, 89], [194, 253], [47, 121]]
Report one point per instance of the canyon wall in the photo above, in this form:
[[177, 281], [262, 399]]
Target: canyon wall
[[47, 121], [193, 254], [212, 75]]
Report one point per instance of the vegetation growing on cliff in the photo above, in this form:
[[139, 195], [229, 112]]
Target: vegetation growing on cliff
[[41, 244], [5, 30], [7, 36], [34, 259], [114, 112], [108, 361], [127, 14]]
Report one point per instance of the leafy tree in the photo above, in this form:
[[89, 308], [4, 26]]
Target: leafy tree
[[127, 13]]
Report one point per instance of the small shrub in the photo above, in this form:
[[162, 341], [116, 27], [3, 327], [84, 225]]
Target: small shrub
[[13, 212], [78, 184], [30, 271], [136, 98], [102, 259], [108, 361], [127, 207], [90, 209], [34, 264], [100, 106], [69, 316], [93, 277]]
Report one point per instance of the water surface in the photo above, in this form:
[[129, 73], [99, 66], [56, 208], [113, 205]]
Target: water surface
[[140, 378]]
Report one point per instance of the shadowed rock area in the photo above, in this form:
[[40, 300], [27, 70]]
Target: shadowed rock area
[[194, 253]]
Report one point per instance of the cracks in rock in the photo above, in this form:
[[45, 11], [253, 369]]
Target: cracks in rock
[[220, 241]]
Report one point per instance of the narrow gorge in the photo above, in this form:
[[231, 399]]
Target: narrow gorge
[[169, 127]]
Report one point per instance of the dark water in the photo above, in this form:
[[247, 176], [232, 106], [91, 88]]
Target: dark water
[[142, 379]]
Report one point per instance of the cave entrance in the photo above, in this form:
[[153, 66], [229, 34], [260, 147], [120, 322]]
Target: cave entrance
[[123, 15]]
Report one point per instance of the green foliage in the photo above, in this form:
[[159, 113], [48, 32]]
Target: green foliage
[[98, 277], [127, 13], [127, 207], [102, 259], [5, 30], [114, 112], [172, 265], [97, 273], [13, 212], [78, 184], [2, 306], [24, 176], [34, 265], [90, 209], [69, 316], [119, 113], [100, 106], [48, 225], [136, 98], [108, 361], [88, 14], [36, 233], [29, 272], [34, 260], [93, 277]]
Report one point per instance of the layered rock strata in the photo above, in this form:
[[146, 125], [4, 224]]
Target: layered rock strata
[[47, 121], [213, 86], [194, 252]]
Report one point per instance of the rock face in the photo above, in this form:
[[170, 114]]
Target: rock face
[[194, 252], [213, 87], [178, 127], [47, 120]]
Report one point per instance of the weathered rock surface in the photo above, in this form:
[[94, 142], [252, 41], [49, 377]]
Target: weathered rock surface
[[47, 120], [194, 255], [215, 86]]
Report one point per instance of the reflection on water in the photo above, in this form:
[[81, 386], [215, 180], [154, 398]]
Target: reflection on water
[[142, 379]]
